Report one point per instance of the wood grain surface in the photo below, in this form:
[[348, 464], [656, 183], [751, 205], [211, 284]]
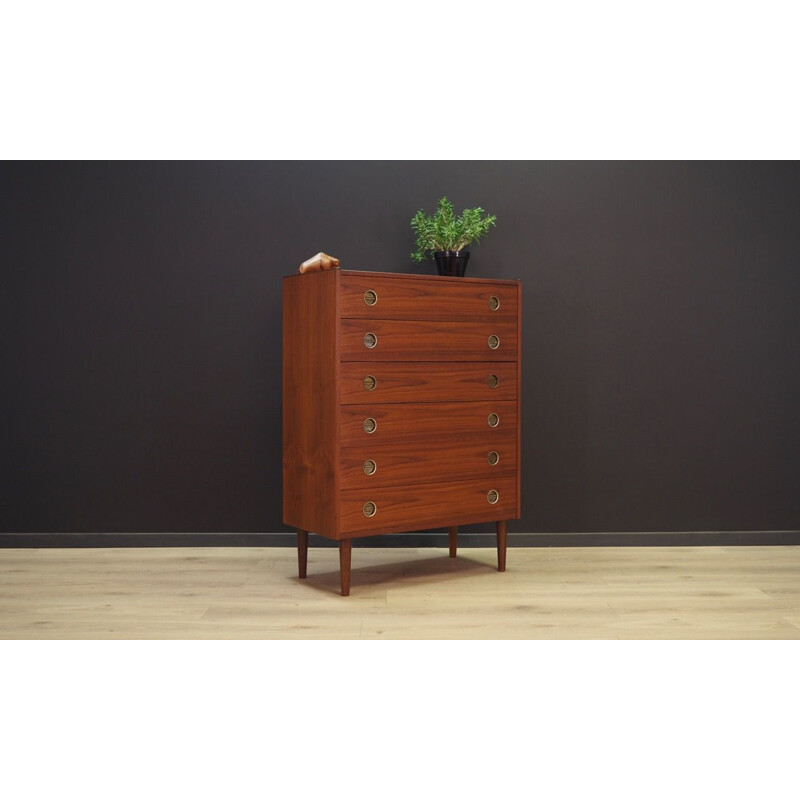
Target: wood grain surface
[[310, 402], [427, 340], [409, 508], [423, 381], [446, 459], [425, 297], [401, 593], [402, 422]]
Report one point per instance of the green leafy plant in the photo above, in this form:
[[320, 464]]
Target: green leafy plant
[[445, 231]]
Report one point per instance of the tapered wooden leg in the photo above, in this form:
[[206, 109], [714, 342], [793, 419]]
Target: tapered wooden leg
[[453, 541], [502, 530], [345, 548], [302, 552]]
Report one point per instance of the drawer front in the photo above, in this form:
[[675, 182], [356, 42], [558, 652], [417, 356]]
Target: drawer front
[[426, 382], [379, 297], [481, 456], [432, 505], [427, 340], [386, 423]]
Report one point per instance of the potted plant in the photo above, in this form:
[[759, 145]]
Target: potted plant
[[446, 235]]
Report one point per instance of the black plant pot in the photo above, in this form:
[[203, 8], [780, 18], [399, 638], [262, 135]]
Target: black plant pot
[[451, 262]]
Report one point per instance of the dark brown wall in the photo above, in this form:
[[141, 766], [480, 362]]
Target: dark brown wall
[[141, 334]]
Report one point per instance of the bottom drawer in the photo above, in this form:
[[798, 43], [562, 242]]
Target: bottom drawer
[[434, 505]]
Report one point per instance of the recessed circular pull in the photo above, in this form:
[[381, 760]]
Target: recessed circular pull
[[370, 297], [494, 303], [370, 383], [370, 467], [370, 425], [493, 420], [492, 496], [369, 509], [494, 342], [492, 457], [370, 340], [493, 381]]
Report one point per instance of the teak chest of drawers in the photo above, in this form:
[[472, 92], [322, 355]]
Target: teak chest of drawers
[[400, 406]]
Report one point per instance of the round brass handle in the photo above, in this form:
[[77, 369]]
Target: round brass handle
[[494, 342], [493, 420], [370, 467], [493, 380], [370, 340], [492, 496], [494, 303], [369, 509], [370, 297], [370, 383], [493, 457], [370, 425]]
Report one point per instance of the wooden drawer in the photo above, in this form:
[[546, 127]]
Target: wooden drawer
[[369, 465], [404, 297], [427, 340], [401, 422], [433, 505], [426, 382]]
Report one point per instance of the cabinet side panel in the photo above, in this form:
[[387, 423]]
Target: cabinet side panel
[[310, 457]]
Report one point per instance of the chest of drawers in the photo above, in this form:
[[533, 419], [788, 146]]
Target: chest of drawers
[[400, 406]]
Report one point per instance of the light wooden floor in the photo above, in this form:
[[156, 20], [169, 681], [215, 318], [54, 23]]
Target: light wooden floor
[[547, 593]]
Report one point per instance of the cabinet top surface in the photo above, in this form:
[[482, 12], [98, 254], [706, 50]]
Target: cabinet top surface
[[405, 276]]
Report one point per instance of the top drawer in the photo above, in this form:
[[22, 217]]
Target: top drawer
[[385, 297]]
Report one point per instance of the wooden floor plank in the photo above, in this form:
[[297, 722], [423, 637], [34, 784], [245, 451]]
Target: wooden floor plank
[[414, 593]]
